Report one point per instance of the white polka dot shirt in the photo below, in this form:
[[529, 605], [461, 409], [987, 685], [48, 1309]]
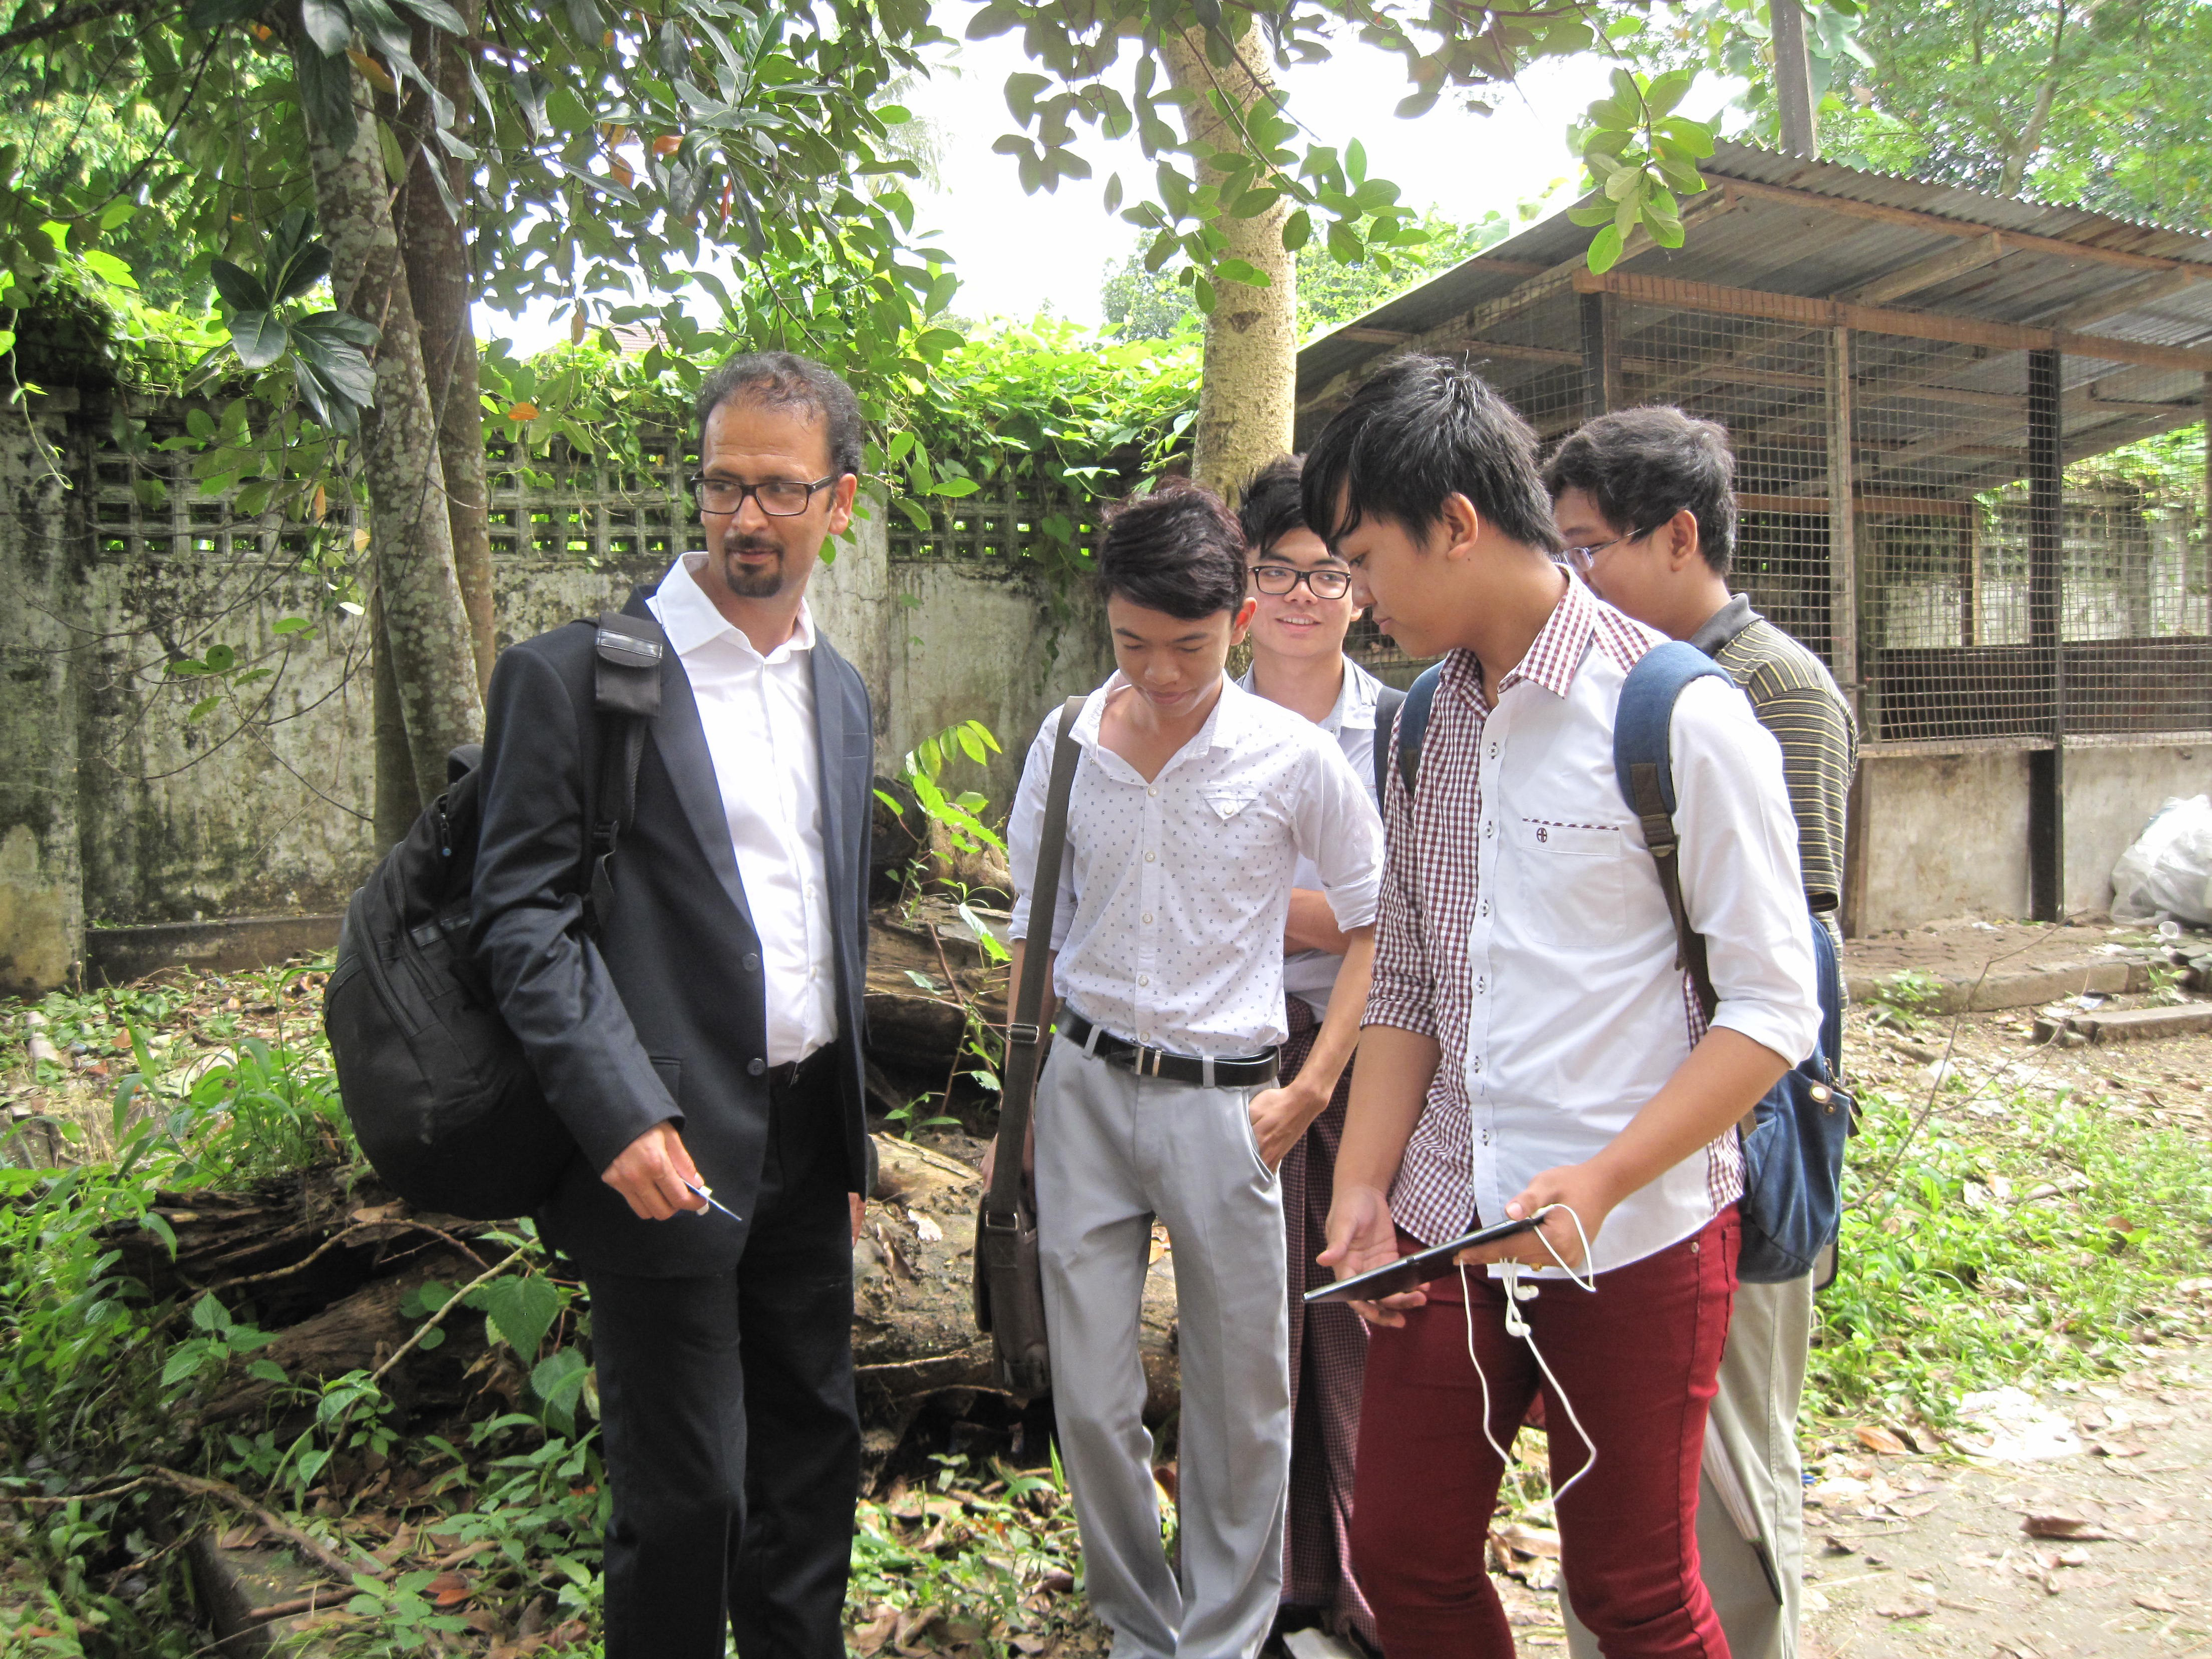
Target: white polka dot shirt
[[1173, 894]]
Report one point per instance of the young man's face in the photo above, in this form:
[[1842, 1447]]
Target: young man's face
[[1299, 624], [1624, 569], [1173, 661], [1391, 567]]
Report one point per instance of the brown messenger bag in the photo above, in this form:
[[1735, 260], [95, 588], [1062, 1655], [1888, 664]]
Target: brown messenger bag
[[1009, 1280]]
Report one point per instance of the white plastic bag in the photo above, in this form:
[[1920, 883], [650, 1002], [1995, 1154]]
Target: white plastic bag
[[2168, 871]]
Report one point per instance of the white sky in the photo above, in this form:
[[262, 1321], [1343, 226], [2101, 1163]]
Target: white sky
[[1017, 254]]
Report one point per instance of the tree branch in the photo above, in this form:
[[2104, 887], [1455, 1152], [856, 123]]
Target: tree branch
[[68, 18]]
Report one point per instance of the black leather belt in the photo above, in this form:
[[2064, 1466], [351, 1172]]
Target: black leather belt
[[1237, 1071]]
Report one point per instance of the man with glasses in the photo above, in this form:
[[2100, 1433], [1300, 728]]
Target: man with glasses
[[707, 1037], [1645, 501], [1302, 608]]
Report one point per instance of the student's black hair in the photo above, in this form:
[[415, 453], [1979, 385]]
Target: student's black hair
[[1421, 430], [1641, 466], [784, 380], [1177, 551], [1271, 507]]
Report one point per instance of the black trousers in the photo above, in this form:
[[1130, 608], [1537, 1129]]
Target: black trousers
[[733, 1441]]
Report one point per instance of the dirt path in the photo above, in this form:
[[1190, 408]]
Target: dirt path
[[1933, 1556]]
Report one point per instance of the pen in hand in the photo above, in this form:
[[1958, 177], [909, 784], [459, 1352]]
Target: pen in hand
[[708, 1196]]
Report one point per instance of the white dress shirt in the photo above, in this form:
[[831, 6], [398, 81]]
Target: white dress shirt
[[1173, 894], [758, 715], [1522, 924], [1310, 975]]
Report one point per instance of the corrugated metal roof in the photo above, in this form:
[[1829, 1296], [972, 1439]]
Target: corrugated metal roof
[[1809, 245]]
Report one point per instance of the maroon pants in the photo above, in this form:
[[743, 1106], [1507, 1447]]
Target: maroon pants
[[1637, 1361]]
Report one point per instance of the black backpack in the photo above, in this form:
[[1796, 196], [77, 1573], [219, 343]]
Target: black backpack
[[441, 1094]]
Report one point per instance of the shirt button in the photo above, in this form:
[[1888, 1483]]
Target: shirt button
[[1478, 984], [757, 1067], [1149, 857], [1485, 907], [751, 962], [1474, 1065], [1493, 751], [1151, 789], [1148, 918], [1144, 979], [1486, 829]]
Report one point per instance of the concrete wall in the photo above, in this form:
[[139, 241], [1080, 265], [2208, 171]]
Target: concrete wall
[[970, 642], [1946, 836]]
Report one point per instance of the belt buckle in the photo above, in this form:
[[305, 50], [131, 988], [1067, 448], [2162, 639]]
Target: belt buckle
[[1155, 1055]]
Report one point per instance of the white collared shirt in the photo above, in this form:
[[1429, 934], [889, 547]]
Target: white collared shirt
[[758, 715], [1523, 926], [1311, 974], [1173, 894]]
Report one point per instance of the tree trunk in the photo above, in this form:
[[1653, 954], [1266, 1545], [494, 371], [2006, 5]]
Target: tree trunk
[[1248, 389], [398, 803], [433, 659], [441, 283]]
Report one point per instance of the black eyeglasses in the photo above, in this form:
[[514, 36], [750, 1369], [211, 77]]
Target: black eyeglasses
[[1582, 557], [1276, 580], [780, 498]]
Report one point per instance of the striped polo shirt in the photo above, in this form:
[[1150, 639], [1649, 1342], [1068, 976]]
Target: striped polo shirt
[[1796, 698]]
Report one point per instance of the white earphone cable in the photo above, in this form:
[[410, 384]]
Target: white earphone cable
[[1516, 1325]]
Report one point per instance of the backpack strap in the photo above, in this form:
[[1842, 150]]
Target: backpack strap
[[625, 662], [1387, 702], [1643, 763], [1024, 1031], [1413, 723]]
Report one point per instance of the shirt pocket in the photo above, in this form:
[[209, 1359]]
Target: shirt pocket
[[1572, 881]]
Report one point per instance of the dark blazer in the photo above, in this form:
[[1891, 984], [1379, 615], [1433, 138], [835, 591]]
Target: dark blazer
[[665, 1014]]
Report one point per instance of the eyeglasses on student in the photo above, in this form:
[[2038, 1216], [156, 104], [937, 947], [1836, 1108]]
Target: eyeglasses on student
[[1276, 580]]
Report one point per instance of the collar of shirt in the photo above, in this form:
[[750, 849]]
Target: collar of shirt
[[1355, 699], [1724, 624], [1226, 723], [1550, 661], [690, 620]]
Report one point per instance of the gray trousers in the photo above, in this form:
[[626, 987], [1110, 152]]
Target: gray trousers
[[1113, 1152], [1752, 1424]]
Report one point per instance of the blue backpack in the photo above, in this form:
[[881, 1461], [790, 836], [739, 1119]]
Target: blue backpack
[[1793, 1139]]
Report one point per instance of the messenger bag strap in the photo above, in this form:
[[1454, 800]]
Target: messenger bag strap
[[625, 662], [1024, 1037]]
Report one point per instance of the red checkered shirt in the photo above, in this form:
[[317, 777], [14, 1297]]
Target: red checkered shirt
[[1582, 913]]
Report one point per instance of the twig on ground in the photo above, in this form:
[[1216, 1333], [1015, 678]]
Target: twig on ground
[[306, 1543], [438, 1318]]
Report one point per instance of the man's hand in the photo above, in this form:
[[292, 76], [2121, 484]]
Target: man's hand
[[1362, 1236], [650, 1173], [1280, 1116], [860, 1212], [1582, 1187]]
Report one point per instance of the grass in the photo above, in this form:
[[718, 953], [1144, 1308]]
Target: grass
[[1996, 1237]]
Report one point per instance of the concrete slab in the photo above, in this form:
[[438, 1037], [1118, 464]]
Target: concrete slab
[[114, 956], [1975, 967], [2139, 1025]]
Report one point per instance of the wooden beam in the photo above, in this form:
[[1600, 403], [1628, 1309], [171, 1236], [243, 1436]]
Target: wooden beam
[[1477, 320], [1510, 352], [1935, 224], [2149, 289], [1816, 506], [1814, 312], [1793, 79], [1938, 267]]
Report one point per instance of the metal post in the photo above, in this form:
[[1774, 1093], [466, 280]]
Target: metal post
[[1600, 356], [2047, 797], [1842, 539], [1793, 79]]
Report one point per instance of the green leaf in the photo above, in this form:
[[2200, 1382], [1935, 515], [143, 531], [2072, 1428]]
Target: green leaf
[[558, 1379], [1254, 203], [326, 25], [1605, 248], [521, 1308], [1237, 271], [200, 710], [108, 268], [241, 289], [325, 87], [1667, 91], [259, 337], [1695, 138], [1297, 230], [955, 488], [440, 16], [209, 1314]]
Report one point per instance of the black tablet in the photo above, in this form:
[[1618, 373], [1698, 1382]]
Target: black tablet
[[1410, 1272]]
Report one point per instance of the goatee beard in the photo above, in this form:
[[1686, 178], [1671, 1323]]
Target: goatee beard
[[760, 583]]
